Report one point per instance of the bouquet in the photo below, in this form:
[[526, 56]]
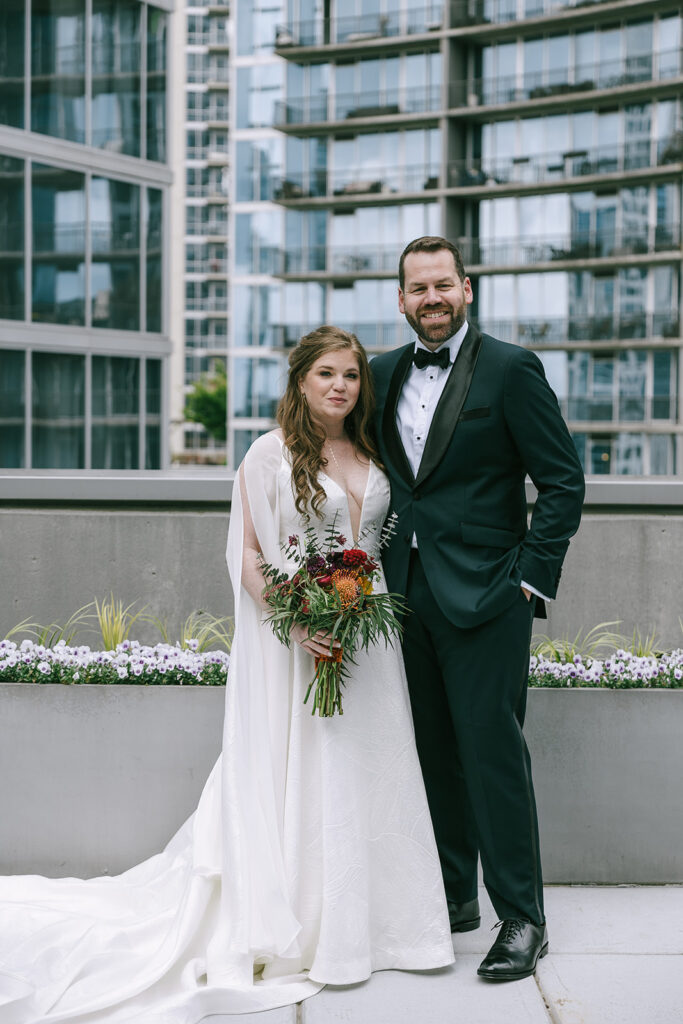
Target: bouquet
[[331, 590]]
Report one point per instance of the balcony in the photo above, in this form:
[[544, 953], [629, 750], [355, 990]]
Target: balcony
[[503, 12], [356, 181], [523, 251], [345, 260], [557, 331], [206, 304], [321, 109], [359, 28], [215, 265], [622, 408], [371, 335], [635, 155], [556, 82]]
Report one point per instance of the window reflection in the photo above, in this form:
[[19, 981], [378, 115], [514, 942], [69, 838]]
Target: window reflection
[[115, 412], [153, 413], [12, 410], [116, 60], [115, 269], [58, 407], [257, 386], [157, 27], [12, 63], [58, 68], [153, 233], [58, 199], [11, 238]]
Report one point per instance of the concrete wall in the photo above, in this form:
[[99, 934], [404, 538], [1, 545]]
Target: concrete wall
[[94, 779], [160, 539]]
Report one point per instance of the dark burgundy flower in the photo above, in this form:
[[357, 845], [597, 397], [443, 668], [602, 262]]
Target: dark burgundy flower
[[354, 557]]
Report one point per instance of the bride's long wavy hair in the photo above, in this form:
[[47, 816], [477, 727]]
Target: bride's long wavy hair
[[305, 437]]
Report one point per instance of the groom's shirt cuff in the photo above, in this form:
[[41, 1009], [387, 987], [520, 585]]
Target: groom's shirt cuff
[[527, 586]]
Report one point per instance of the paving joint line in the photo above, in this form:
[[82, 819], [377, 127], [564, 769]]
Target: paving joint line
[[549, 1009]]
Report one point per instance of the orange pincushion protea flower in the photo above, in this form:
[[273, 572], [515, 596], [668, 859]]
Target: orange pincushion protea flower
[[346, 585]]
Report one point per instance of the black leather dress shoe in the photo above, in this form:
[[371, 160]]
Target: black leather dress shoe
[[464, 916], [516, 951]]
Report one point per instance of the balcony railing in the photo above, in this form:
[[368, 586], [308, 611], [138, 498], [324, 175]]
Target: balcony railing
[[575, 246], [477, 12], [356, 28], [214, 265], [560, 330], [557, 81], [373, 335], [357, 181], [321, 108], [619, 408], [206, 304], [344, 259], [633, 155]]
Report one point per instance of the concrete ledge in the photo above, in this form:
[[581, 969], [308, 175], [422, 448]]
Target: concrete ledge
[[94, 779], [214, 485]]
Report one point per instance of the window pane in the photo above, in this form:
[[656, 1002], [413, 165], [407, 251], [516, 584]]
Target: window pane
[[58, 199], [116, 75], [12, 235], [154, 234], [115, 412], [115, 271], [157, 23], [12, 412], [153, 414], [58, 68], [12, 63], [58, 402]]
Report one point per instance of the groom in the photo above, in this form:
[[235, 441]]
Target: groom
[[462, 419]]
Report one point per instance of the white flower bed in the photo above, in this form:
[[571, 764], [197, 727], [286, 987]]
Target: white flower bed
[[131, 662], [621, 670]]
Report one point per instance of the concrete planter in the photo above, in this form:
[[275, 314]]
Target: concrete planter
[[94, 779]]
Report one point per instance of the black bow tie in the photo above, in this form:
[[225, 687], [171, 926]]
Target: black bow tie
[[422, 358]]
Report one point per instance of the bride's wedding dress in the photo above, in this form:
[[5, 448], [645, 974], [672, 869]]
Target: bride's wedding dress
[[310, 859]]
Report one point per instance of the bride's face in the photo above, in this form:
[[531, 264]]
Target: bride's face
[[332, 387]]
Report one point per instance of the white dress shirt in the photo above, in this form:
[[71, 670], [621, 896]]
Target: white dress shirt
[[417, 404]]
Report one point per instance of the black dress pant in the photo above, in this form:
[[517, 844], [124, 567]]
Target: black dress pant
[[468, 692]]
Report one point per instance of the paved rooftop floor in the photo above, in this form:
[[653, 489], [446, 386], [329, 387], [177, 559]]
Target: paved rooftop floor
[[616, 957]]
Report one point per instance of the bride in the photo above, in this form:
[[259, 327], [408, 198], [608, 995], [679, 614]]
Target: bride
[[310, 859]]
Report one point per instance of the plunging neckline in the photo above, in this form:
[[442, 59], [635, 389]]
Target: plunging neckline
[[346, 495]]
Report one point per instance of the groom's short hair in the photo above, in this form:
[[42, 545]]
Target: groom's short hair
[[430, 243]]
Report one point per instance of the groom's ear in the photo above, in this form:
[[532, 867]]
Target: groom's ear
[[401, 303]]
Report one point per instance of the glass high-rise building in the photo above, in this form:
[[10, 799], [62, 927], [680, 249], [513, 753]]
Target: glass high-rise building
[[545, 137], [84, 183], [206, 170]]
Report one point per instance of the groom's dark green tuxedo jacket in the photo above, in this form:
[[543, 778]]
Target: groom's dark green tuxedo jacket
[[497, 420]]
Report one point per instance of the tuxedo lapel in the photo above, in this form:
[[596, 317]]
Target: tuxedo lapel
[[390, 432], [450, 404]]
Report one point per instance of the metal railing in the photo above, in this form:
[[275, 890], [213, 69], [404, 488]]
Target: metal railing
[[356, 28], [476, 12], [343, 259], [574, 246], [321, 108], [373, 335], [557, 81], [560, 330], [618, 408], [633, 155], [356, 181]]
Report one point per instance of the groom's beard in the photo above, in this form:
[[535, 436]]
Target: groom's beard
[[437, 333]]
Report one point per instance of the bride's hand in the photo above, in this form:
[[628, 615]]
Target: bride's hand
[[317, 644]]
